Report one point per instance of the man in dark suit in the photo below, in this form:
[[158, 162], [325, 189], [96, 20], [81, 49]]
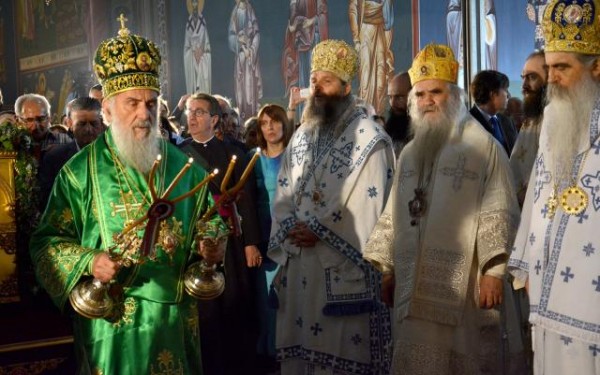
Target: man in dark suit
[[489, 90], [85, 121]]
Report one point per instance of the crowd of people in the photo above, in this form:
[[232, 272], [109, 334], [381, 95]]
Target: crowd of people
[[431, 239]]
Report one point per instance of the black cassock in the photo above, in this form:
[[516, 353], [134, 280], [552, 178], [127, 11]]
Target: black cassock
[[228, 324]]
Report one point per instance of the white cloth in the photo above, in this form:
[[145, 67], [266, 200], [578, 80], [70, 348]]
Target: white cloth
[[559, 355], [196, 55], [559, 255], [466, 231], [330, 313]]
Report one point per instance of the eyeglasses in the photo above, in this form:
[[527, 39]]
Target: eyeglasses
[[197, 112], [38, 119]]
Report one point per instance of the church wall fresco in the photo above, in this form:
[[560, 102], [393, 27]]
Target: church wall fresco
[[51, 40]]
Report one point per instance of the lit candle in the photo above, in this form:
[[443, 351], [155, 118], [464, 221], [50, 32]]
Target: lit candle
[[228, 173], [152, 174], [178, 177], [247, 171]]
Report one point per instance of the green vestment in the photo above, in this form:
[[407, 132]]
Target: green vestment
[[93, 197]]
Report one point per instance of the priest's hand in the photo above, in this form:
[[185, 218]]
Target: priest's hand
[[388, 284], [253, 257], [490, 292], [301, 235], [213, 250], [104, 268]]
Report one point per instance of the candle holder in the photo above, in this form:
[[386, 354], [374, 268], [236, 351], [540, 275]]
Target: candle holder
[[201, 279], [92, 298]]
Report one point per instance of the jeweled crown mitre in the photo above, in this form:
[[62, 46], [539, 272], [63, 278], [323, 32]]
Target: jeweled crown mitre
[[435, 61], [572, 26], [337, 57], [127, 62]]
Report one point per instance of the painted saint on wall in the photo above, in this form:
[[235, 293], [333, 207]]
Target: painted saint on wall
[[535, 13], [196, 50], [371, 24], [307, 26], [244, 39]]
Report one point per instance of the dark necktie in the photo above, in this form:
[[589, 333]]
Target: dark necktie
[[496, 131]]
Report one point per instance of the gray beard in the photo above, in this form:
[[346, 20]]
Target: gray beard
[[567, 121], [138, 154], [432, 134]]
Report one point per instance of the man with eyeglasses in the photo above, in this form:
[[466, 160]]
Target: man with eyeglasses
[[85, 122], [33, 111], [228, 326]]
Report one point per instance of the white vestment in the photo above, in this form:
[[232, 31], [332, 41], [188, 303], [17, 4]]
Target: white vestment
[[330, 315], [559, 254], [196, 55], [438, 259]]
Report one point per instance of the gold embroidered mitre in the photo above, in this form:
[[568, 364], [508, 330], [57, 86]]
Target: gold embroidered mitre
[[127, 62], [337, 57], [435, 61], [572, 26]]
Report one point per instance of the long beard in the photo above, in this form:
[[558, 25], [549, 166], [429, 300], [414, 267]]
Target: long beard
[[567, 120], [136, 153], [398, 126], [325, 111], [432, 132], [533, 103]]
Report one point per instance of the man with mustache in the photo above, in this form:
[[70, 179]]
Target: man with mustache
[[333, 183], [397, 124], [84, 232], [85, 121], [535, 77], [444, 237], [556, 249]]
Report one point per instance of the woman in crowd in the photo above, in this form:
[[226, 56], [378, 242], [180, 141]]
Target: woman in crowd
[[274, 131]]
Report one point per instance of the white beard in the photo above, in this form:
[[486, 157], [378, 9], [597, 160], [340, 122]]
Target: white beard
[[567, 121], [432, 130], [136, 153]]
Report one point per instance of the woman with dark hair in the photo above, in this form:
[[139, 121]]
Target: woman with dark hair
[[274, 131]]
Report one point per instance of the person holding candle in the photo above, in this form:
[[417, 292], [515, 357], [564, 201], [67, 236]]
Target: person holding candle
[[333, 183], [98, 196], [228, 323]]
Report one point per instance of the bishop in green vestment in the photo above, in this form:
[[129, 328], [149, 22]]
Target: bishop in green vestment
[[98, 193]]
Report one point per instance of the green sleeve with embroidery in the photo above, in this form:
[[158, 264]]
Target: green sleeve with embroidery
[[58, 256]]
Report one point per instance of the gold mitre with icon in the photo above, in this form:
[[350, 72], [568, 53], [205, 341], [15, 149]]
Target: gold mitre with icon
[[337, 57], [127, 62], [435, 61], [572, 26]]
